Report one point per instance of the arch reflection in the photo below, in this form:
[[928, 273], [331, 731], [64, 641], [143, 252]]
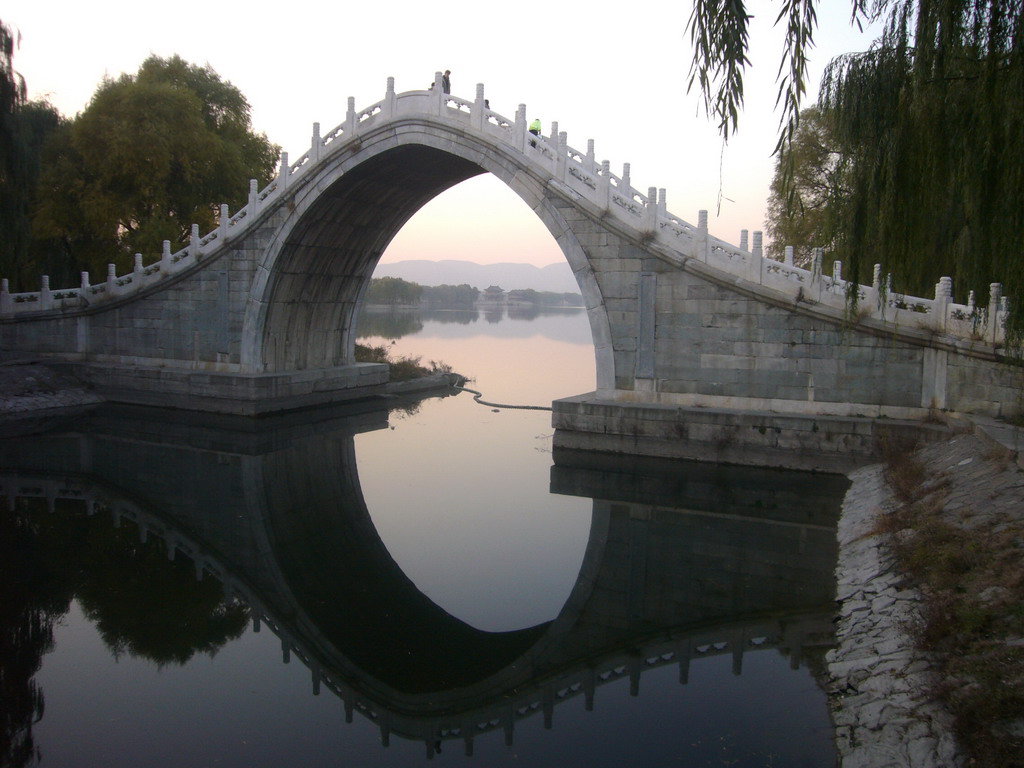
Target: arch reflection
[[682, 563]]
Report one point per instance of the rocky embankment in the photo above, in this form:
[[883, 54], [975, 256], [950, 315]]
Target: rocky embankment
[[879, 683], [28, 388]]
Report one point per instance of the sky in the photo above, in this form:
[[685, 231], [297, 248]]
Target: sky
[[616, 73]]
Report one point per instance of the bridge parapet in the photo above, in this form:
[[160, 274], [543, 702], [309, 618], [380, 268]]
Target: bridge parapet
[[573, 174]]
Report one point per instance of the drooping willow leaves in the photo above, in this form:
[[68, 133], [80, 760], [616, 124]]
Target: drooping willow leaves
[[931, 120], [929, 125]]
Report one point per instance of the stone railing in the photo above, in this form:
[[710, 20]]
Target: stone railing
[[576, 175]]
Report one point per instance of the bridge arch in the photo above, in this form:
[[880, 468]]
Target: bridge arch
[[304, 302]]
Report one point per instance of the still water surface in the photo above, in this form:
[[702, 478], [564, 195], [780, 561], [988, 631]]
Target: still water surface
[[388, 589]]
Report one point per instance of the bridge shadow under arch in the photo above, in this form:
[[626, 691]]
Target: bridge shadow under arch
[[275, 512]]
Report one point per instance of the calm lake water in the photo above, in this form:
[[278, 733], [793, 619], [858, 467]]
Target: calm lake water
[[353, 586]]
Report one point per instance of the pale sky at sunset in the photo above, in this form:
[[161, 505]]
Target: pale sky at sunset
[[615, 73]]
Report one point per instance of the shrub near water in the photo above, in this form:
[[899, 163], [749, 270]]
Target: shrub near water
[[400, 368]]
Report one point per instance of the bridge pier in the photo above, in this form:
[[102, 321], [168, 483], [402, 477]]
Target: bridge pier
[[814, 442], [234, 393]]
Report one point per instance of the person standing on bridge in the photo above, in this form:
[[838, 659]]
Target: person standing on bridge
[[446, 83], [535, 129]]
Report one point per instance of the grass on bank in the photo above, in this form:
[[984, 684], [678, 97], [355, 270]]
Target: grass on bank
[[402, 368], [969, 566]]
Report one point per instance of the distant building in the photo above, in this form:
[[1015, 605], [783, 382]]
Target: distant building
[[492, 295], [522, 296]]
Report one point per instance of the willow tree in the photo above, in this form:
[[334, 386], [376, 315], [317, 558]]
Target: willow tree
[[929, 120], [24, 126]]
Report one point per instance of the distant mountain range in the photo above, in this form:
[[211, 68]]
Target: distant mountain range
[[556, 278]]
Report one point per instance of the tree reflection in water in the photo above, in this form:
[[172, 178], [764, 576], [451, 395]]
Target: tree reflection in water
[[32, 598], [142, 603]]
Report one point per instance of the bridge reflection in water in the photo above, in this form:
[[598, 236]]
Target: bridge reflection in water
[[683, 562]]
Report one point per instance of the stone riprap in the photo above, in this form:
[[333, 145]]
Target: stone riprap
[[28, 389], [879, 683]]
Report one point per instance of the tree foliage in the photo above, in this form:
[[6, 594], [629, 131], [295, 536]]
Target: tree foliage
[[463, 295], [932, 119], [720, 34], [152, 154], [393, 290], [23, 128], [928, 121], [805, 196]]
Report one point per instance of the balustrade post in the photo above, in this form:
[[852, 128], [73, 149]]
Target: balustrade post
[[83, 286], [193, 242], [702, 244], [6, 305], [45, 294], [604, 187], [788, 258], [662, 202], [389, 98], [757, 259], [508, 723], [478, 110], [970, 302], [876, 286], [745, 240], [165, 258], [282, 173], [651, 211], [254, 198], [943, 300], [816, 274], [137, 270], [350, 118], [590, 164], [520, 132], [837, 272], [315, 144], [554, 132], [684, 652], [315, 674], [626, 189], [589, 688], [112, 287], [995, 292], [225, 219], [438, 93], [563, 156]]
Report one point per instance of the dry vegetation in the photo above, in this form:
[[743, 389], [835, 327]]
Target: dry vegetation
[[401, 368], [967, 557]]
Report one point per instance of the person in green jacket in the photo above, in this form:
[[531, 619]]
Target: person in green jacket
[[535, 130]]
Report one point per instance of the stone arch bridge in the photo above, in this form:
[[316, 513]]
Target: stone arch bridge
[[694, 338]]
